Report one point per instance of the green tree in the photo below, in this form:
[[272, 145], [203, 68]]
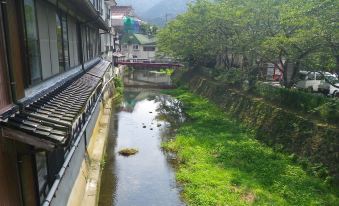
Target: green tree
[[245, 34], [148, 29]]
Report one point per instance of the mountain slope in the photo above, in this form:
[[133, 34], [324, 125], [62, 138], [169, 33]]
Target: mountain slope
[[164, 10], [139, 6]]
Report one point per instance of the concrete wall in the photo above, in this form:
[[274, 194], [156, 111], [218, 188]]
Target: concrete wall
[[66, 184], [87, 183]]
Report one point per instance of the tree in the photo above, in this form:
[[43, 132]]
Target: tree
[[148, 29], [244, 34]]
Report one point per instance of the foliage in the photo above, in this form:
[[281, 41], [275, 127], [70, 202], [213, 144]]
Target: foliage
[[323, 108], [245, 34], [148, 29], [220, 162], [233, 76], [119, 85], [167, 71]]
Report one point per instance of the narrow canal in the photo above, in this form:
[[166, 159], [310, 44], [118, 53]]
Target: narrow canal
[[147, 178]]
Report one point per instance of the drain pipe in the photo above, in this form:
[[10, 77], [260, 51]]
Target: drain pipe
[[62, 171]]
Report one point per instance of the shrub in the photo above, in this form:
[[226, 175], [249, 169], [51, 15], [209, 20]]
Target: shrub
[[119, 85], [327, 109]]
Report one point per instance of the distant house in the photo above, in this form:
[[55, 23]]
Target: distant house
[[138, 47], [124, 20], [122, 10], [119, 15]]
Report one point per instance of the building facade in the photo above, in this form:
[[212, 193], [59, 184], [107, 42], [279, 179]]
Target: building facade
[[138, 47], [54, 69]]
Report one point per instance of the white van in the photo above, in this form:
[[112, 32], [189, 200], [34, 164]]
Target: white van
[[309, 81], [328, 88]]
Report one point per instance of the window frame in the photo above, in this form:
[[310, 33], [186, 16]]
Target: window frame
[[60, 38], [64, 25], [29, 82], [136, 47], [43, 187], [149, 48], [62, 17]]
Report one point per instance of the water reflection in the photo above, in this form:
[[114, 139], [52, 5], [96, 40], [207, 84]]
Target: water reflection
[[147, 79], [170, 110], [147, 178], [108, 179]]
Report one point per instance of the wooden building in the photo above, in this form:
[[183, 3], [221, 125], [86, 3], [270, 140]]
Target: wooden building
[[52, 76]]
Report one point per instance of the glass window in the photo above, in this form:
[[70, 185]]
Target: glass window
[[65, 41], [60, 43], [97, 43], [331, 79], [88, 41], [32, 41], [149, 48], [319, 76], [136, 47], [41, 168], [84, 42]]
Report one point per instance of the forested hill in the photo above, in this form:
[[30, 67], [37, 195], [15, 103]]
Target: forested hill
[[156, 11], [165, 9], [140, 6]]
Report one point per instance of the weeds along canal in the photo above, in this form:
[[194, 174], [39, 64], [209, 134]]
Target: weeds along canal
[[141, 121]]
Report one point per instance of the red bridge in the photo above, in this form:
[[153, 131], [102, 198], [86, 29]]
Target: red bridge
[[149, 65]]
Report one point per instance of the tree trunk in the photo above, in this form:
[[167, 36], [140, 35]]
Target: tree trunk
[[294, 73], [285, 73], [337, 63]]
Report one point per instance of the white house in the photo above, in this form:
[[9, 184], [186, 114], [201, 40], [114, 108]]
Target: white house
[[139, 47]]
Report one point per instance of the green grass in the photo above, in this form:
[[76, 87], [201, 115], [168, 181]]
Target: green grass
[[220, 163]]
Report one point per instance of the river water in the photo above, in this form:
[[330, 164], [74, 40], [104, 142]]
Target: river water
[[147, 178]]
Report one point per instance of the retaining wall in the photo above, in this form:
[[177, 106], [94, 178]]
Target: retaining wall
[[277, 127]]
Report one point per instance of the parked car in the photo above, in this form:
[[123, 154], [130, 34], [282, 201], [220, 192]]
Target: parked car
[[309, 81], [327, 88]]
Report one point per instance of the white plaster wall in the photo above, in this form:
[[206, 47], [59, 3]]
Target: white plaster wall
[[140, 53]]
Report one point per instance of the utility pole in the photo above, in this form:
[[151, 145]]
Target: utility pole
[[166, 17]]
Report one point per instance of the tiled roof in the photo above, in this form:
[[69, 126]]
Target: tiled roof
[[141, 39], [59, 115], [145, 40]]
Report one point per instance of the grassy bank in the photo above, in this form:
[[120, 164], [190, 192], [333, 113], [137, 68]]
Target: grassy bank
[[220, 163]]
